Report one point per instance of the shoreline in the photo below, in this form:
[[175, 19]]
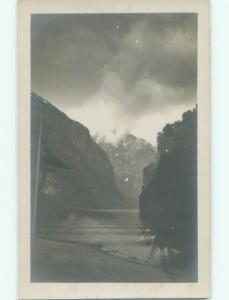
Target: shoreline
[[61, 261], [108, 252]]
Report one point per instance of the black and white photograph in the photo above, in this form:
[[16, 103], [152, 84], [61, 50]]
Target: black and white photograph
[[114, 166]]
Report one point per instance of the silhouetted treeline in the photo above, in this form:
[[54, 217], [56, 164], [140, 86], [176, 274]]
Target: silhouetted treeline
[[168, 201]]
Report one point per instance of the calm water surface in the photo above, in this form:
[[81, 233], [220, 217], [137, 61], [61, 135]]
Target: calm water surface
[[118, 232]]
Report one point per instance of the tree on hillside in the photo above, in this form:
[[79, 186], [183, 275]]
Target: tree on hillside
[[168, 203]]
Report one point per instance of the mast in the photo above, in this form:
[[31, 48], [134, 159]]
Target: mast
[[36, 181]]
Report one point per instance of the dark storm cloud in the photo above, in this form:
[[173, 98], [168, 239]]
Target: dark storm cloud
[[138, 62]]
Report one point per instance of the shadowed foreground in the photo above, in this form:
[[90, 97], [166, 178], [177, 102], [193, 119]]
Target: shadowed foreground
[[54, 261]]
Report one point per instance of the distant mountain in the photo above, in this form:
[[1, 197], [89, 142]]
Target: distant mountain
[[74, 172], [128, 157]]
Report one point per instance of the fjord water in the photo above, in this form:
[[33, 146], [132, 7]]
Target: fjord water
[[118, 232]]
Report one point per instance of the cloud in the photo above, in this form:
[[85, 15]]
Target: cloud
[[123, 67]]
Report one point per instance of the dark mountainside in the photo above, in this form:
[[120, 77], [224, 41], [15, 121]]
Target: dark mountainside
[[168, 201], [128, 157], [75, 172]]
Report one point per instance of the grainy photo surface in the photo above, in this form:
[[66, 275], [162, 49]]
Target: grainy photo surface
[[114, 147], [114, 155]]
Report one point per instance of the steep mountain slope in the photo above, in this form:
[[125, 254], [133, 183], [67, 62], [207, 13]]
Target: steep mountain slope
[[128, 157], [74, 172], [169, 199]]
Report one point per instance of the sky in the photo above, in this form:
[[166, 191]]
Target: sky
[[116, 73]]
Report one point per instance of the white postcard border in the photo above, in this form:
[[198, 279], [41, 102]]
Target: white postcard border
[[201, 289]]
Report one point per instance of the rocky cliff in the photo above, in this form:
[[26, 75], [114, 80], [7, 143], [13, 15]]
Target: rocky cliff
[[169, 199], [74, 172], [129, 156]]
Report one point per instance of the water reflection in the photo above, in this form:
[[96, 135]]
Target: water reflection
[[118, 232]]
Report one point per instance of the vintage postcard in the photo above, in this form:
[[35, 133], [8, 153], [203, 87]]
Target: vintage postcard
[[114, 149]]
